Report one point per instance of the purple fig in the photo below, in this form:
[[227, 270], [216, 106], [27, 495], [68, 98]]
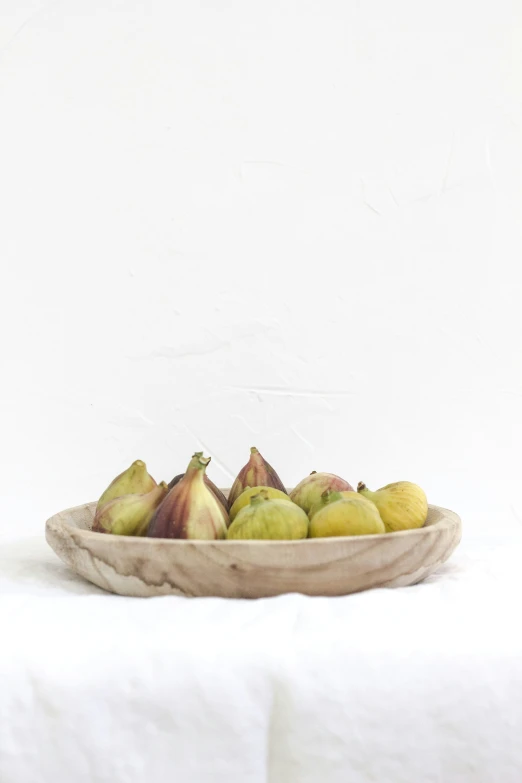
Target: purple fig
[[308, 492], [210, 484], [191, 509], [256, 473]]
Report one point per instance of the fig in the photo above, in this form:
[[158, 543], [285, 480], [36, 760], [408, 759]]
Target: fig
[[133, 481], [244, 499], [256, 473], [402, 505], [129, 515], [326, 498], [268, 518], [210, 484], [310, 489], [346, 516], [190, 509]]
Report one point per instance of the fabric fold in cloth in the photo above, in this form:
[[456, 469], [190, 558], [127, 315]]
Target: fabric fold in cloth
[[413, 684]]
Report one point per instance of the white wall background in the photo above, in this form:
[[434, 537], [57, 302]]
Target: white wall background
[[289, 224]]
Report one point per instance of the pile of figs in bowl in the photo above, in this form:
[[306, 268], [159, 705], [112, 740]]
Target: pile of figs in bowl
[[258, 538]]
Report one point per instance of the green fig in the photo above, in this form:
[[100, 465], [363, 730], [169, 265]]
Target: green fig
[[310, 489], [256, 473], [269, 518], [133, 481], [402, 505], [190, 510], [129, 515], [330, 496], [244, 499], [343, 516]]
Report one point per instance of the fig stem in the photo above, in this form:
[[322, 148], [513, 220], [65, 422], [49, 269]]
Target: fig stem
[[198, 463]]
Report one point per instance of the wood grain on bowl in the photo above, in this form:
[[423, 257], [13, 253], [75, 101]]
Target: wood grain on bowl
[[251, 569]]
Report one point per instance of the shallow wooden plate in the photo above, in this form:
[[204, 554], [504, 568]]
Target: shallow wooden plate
[[250, 569]]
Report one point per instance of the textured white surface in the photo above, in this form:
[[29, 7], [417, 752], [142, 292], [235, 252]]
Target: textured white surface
[[407, 685], [295, 225]]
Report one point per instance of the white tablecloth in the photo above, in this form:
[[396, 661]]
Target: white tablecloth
[[412, 685]]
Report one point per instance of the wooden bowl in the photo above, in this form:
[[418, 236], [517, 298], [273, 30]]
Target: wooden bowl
[[250, 569]]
